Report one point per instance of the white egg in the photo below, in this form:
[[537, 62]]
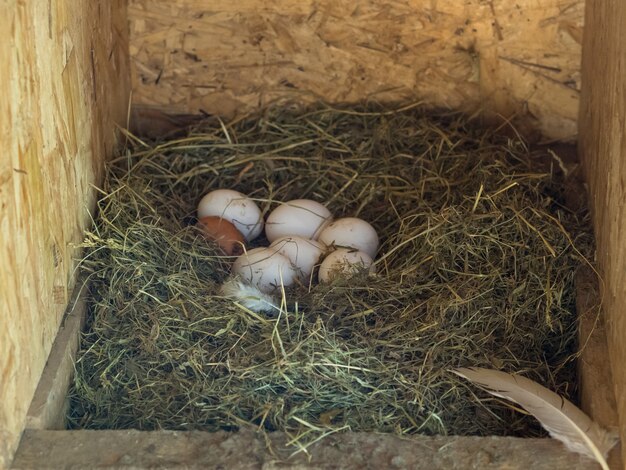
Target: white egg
[[344, 262], [351, 232], [301, 217], [304, 254], [235, 207], [265, 268]]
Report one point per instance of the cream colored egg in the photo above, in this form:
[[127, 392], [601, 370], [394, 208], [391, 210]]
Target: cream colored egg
[[235, 207], [304, 254], [265, 268], [351, 232], [344, 262], [301, 217]]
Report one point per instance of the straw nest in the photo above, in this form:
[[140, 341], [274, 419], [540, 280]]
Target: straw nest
[[476, 268]]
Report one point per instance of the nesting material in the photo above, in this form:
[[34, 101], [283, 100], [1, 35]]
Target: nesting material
[[476, 266]]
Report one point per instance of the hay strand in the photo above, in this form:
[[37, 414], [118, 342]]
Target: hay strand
[[476, 268]]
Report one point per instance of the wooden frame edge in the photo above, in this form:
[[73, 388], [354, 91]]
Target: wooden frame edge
[[49, 406]]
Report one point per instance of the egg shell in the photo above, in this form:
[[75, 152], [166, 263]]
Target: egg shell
[[235, 207], [264, 268], [301, 217], [351, 232], [221, 231], [344, 262], [303, 253]]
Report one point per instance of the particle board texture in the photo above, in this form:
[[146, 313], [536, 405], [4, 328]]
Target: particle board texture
[[64, 73], [247, 450], [603, 154], [515, 60]]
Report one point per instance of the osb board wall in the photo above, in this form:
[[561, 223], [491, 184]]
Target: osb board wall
[[510, 58], [603, 152], [64, 76]]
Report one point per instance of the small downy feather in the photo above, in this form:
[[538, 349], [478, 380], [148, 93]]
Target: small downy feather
[[249, 296], [560, 417]]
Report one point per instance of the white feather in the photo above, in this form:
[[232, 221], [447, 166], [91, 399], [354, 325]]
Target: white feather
[[560, 417], [249, 296]]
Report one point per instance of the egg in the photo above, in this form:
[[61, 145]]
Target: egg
[[304, 254], [229, 239], [301, 217], [351, 232], [265, 268], [344, 262], [235, 207]]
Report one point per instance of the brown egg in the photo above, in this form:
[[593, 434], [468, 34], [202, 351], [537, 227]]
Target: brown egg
[[223, 233]]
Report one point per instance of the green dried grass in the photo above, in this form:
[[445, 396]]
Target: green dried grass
[[476, 268]]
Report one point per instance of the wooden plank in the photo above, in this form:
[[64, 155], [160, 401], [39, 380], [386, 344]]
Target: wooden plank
[[603, 153], [247, 450], [518, 60], [49, 407], [64, 73], [597, 398]]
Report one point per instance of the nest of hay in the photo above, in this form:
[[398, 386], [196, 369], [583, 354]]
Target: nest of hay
[[476, 268]]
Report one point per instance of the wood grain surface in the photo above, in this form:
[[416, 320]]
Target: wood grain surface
[[513, 59], [63, 72], [248, 450], [603, 154]]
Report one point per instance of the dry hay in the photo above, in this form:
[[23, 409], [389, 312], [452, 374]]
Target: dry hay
[[476, 268]]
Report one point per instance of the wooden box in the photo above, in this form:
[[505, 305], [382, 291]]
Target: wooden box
[[73, 71]]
